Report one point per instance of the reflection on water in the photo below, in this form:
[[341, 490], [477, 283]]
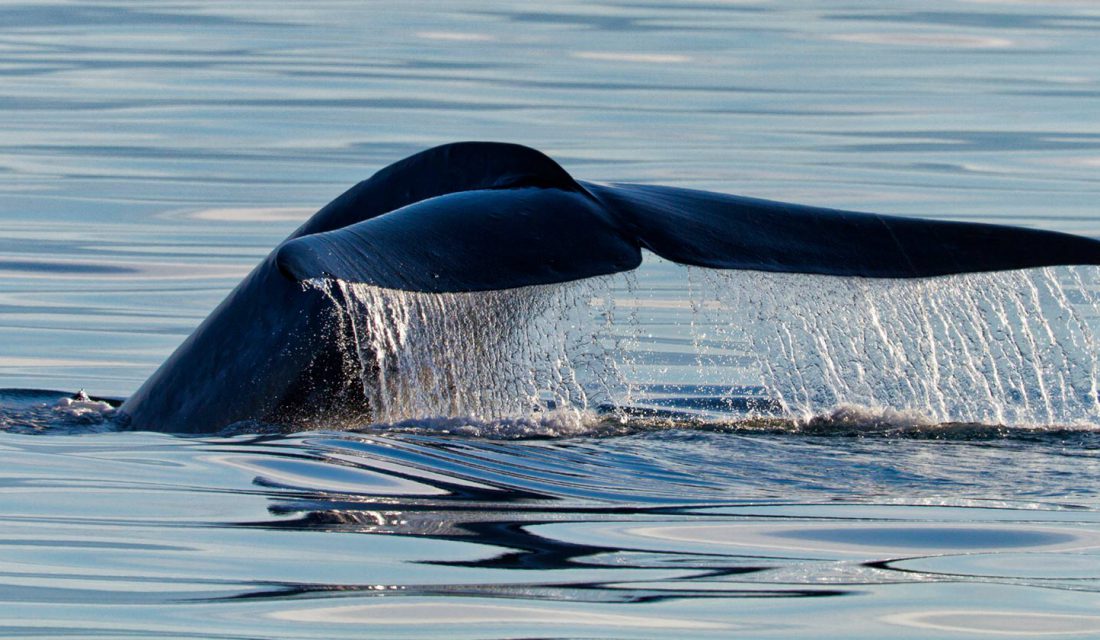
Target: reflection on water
[[637, 535], [151, 154]]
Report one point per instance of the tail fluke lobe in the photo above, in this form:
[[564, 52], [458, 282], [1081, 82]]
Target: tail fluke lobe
[[470, 241], [439, 171], [732, 232]]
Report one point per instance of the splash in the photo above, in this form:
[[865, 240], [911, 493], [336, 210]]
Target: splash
[[1014, 348]]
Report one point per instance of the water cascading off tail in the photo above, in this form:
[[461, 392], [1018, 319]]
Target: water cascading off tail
[[485, 355], [1013, 348]]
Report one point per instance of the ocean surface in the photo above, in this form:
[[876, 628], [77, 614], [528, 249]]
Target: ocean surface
[[669, 453]]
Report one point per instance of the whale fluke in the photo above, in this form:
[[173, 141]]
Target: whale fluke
[[447, 169], [471, 241], [482, 216], [733, 232], [477, 216]]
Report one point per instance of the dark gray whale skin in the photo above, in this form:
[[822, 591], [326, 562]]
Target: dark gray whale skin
[[476, 216]]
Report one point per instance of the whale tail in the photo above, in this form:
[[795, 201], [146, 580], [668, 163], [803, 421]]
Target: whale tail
[[479, 216], [733, 232]]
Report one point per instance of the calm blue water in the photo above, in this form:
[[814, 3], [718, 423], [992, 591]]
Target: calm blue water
[[152, 153]]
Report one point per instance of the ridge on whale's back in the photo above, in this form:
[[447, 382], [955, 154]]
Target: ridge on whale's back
[[490, 217]]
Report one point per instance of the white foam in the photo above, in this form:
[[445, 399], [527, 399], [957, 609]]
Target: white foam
[[83, 408], [553, 424]]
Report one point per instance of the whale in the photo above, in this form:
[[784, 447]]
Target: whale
[[483, 216]]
